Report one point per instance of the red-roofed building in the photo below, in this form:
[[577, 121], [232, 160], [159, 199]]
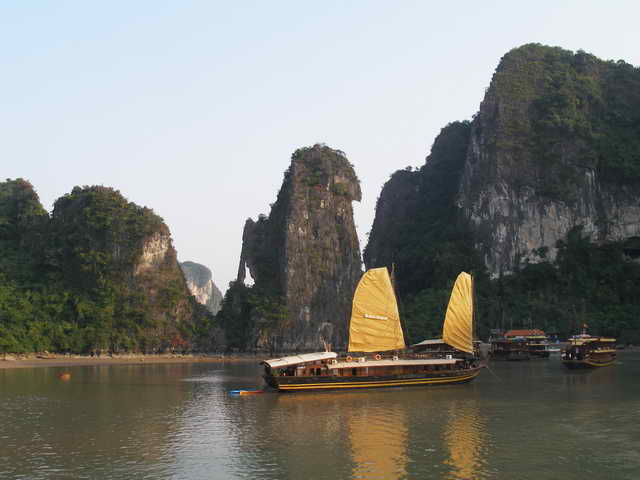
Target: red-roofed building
[[535, 332]]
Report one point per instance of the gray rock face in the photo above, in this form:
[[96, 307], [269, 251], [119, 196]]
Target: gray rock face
[[307, 253], [554, 146], [200, 283], [526, 184]]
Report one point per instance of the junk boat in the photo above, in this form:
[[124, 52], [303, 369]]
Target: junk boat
[[377, 355], [586, 351]]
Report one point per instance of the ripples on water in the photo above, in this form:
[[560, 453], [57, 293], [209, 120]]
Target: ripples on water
[[531, 420]]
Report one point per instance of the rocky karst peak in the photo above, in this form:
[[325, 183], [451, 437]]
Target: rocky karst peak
[[306, 253]]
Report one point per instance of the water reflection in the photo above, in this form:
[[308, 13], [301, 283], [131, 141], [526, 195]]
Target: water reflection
[[533, 421], [362, 435], [378, 443], [466, 441], [105, 421]]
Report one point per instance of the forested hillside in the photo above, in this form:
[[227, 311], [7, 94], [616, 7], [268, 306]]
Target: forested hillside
[[100, 274]]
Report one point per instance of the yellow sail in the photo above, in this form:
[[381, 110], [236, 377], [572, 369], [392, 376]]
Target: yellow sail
[[458, 329], [375, 321]]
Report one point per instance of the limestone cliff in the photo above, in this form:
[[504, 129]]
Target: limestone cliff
[[556, 144], [200, 283], [417, 226], [396, 206], [544, 183], [109, 243], [305, 256]]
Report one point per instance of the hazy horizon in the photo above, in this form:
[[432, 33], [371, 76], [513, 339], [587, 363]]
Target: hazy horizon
[[194, 108]]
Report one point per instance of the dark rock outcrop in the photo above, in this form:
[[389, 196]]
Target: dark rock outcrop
[[305, 256], [396, 207], [416, 216]]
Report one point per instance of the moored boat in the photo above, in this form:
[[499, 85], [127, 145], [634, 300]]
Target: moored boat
[[535, 342], [508, 349], [537, 345], [377, 355], [586, 351]]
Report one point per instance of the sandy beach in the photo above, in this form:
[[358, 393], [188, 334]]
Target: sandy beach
[[58, 360]]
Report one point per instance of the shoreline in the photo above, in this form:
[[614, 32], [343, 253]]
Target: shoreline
[[56, 360]]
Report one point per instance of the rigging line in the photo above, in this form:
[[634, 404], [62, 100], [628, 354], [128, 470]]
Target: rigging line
[[487, 367]]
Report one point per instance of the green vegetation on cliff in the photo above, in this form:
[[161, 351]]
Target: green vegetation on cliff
[[564, 125], [571, 112], [79, 281], [586, 284]]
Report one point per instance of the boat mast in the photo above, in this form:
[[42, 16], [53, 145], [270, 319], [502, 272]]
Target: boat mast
[[473, 313], [395, 292]]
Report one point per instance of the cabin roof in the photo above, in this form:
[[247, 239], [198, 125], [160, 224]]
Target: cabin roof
[[391, 363], [524, 333], [302, 358]]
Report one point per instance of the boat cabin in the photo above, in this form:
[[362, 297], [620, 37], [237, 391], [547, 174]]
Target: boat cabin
[[587, 351], [377, 354], [327, 364]]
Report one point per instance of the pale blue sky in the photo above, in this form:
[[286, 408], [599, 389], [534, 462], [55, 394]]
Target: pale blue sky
[[193, 108]]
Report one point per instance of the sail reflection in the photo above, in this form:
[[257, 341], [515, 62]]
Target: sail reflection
[[379, 443], [465, 439], [367, 434]]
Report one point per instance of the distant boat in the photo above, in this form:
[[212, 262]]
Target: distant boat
[[508, 349], [64, 376], [377, 355], [586, 351], [535, 341], [538, 346], [520, 345]]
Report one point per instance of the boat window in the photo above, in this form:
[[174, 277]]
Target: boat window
[[354, 372]]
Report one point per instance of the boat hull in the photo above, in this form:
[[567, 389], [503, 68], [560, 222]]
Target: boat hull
[[588, 363], [295, 384]]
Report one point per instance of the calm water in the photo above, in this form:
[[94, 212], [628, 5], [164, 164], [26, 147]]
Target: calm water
[[529, 420]]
